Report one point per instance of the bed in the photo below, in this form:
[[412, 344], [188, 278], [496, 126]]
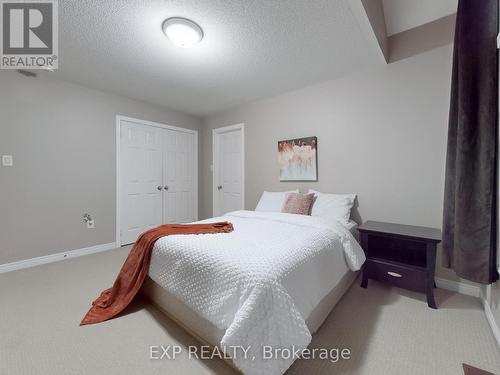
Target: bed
[[272, 281]]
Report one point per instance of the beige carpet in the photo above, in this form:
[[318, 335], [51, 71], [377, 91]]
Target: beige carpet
[[388, 330]]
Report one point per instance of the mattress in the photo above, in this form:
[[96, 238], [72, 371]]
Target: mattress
[[271, 282]]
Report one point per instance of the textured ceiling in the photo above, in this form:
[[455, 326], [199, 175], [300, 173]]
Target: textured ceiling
[[252, 49], [401, 15]]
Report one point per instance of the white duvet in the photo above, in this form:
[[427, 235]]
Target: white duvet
[[258, 283]]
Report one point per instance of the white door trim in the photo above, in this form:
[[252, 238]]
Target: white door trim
[[119, 119], [215, 160]]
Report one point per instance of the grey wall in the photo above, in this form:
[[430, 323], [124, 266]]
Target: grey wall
[[62, 137], [422, 38], [375, 12], [381, 134]]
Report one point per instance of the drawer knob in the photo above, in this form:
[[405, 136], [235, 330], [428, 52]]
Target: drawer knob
[[394, 274]]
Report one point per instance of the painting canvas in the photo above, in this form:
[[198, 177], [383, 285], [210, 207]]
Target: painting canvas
[[298, 159]]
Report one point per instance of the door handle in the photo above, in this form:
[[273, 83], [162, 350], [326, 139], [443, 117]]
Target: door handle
[[166, 187], [394, 274], [159, 188], [219, 187]]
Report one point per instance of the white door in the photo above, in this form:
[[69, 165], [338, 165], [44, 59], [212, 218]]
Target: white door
[[229, 156], [141, 179], [157, 184], [179, 177]]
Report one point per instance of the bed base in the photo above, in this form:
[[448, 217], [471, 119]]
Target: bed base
[[208, 335]]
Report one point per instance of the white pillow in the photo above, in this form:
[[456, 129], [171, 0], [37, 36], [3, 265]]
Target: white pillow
[[272, 201], [333, 206]]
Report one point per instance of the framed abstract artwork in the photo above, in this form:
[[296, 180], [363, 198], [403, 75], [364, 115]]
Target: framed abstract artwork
[[298, 159]]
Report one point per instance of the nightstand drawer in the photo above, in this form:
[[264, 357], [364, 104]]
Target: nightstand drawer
[[398, 275]]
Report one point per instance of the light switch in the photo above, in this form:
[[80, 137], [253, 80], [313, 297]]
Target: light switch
[[7, 160]]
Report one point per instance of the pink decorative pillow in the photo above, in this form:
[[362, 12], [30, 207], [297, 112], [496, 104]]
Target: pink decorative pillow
[[296, 203]]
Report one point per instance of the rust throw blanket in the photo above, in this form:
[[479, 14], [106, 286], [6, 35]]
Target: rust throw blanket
[[135, 269]]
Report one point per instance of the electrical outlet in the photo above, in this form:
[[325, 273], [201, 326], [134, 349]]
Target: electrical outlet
[[89, 220], [7, 160]]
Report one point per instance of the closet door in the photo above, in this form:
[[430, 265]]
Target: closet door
[[141, 179], [179, 176]]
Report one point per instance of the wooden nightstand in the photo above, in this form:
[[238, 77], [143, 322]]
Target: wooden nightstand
[[403, 255]]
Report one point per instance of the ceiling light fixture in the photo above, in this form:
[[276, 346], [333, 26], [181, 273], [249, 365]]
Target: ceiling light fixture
[[182, 32]]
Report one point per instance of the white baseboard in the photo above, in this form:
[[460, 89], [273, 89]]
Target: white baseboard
[[474, 291], [462, 288], [491, 320], [55, 257]]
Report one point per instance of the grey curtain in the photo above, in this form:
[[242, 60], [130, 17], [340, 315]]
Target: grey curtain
[[469, 222]]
